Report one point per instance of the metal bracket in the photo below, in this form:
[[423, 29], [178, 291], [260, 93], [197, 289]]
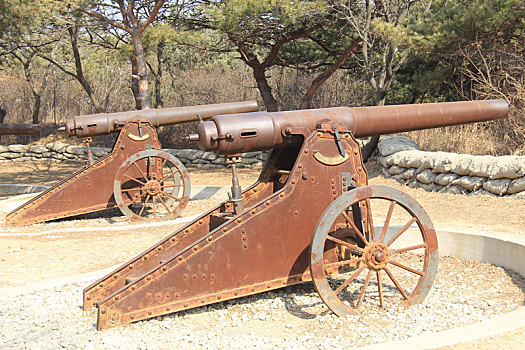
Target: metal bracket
[[346, 182]]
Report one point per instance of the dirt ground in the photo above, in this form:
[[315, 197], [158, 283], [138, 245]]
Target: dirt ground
[[69, 247]]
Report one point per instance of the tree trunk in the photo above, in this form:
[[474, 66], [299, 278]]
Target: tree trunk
[[80, 72], [371, 145], [158, 77], [36, 108], [265, 90], [323, 77], [141, 72], [135, 83]]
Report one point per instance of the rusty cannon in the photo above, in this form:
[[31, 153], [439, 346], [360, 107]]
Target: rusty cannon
[[19, 129], [143, 181], [311, 216]]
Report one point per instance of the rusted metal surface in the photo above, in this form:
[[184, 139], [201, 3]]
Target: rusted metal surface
[[104, 184], [90, 189], [223, 255], [375, 256], [19, 129], [239, 133], [160, 191], [106, 123], [310, 213]]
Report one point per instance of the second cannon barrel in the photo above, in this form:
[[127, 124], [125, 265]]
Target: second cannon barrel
[[106, 123]]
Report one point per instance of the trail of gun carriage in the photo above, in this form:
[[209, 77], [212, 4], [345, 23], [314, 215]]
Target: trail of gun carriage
[[254, 174]]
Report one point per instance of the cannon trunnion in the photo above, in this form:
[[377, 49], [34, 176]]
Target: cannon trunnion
[[311, 216]]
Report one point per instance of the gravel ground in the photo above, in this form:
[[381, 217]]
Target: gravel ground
[[288, 318]]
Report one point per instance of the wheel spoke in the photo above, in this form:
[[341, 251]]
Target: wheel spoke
[[380, 287], [354, 227], [387, 220], [164, 204], [407, 268], [363, 290], [414, 247], [346, 244], [140, 170], [370, 221], [396, 283], [403, 229], [130, 189], [144, 205], [342, 263], [169, 195], [167, 176], [133, 179], [154, 207], [349, 280], [170, 186]]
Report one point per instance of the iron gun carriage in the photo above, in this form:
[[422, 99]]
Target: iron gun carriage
[[311, 216], [139, 178]]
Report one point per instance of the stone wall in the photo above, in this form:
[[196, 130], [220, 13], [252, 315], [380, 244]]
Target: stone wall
[[401, 159], [58, 151]]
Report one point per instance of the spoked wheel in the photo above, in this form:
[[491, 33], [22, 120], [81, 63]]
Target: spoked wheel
[[353, 262], [151, 185]]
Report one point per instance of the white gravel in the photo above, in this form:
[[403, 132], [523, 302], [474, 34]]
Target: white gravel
[[464, 292]]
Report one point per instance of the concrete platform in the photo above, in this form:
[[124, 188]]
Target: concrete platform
[[500, 250]]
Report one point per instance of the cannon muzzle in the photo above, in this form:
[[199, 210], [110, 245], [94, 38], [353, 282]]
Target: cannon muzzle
[[236, 133], [19, 129], [106, 123]]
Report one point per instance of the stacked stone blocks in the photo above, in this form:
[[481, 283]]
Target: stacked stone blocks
[[401, 159], [59, 151]]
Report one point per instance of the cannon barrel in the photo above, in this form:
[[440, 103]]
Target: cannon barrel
[[106, 123], [19, 129], [235, 133]]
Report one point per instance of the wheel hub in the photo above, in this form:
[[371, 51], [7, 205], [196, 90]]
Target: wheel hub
[[377, 255], [153, 187]]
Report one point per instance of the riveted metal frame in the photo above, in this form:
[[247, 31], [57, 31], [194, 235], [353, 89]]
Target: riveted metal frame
[[244, 254], [90, 189]]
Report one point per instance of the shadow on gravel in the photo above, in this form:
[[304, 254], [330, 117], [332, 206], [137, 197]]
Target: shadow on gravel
[[517, 279]]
